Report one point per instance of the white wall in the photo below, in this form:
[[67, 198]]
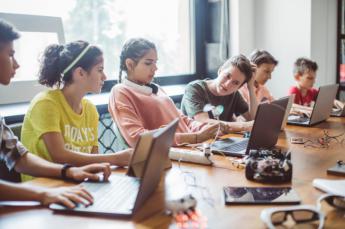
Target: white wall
[[324, 39], [288, 29], [283, 29], [242, 30]]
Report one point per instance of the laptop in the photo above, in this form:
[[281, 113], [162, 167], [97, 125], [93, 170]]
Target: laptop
[[291, 98], [265, 132], [123, 195], [321, 110]]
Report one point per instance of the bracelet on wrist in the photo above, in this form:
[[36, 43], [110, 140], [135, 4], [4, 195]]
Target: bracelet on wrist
[[64, 171]]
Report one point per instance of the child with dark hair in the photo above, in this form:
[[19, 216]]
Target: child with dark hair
[[61, 125], [17, 157], [223, 91], [265, 65], [304, 71], [137, 105], [8, 63]]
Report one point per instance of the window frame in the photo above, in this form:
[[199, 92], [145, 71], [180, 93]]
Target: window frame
[[29, 23], [198, 13]]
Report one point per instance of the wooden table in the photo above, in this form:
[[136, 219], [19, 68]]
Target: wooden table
[[308, 162]]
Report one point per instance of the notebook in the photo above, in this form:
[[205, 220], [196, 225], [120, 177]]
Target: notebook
[[265, 132], [123, 195], [321, 110]]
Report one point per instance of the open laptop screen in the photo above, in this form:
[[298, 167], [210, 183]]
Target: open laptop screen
[[162, 141], [267, 124]]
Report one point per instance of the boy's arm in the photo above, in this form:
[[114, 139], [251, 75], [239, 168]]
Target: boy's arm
[[228, 127], [10, 191], [67, 196], [35, 166]]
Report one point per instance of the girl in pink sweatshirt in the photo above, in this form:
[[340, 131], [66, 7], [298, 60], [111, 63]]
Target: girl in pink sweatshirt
[[137, 105]]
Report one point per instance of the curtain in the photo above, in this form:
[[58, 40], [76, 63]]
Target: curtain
[[224, 47]]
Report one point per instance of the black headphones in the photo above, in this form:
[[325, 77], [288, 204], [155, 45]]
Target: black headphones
[[153, 86]]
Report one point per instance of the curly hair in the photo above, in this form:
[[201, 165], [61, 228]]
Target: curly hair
[[57, 57]]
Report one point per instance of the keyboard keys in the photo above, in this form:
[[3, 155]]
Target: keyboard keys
[[237, 146], [120, 192]]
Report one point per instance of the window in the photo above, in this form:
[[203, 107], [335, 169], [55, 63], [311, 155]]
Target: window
[[108, 23], [36, 32], [28, 55]]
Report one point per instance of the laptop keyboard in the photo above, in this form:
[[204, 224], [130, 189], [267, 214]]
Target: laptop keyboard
[[230, 145], [237, 147], [119, 193], [298, 119]]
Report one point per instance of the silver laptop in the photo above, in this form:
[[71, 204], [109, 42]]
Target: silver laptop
[[321, 110], [123, 195], [265, 132], [287, 110]]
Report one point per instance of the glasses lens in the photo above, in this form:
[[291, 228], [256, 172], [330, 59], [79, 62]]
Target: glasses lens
[[333, 200], [278, 217], [304, 215], [339, 202]]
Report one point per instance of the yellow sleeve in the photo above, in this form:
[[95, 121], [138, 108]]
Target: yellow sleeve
[[45, 117]]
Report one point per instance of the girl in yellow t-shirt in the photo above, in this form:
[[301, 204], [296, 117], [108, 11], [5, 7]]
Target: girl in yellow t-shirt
[[61, 125]]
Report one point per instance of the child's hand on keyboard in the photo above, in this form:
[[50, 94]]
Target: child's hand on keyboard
[[89, 172], [70, 197], [302, 111]]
